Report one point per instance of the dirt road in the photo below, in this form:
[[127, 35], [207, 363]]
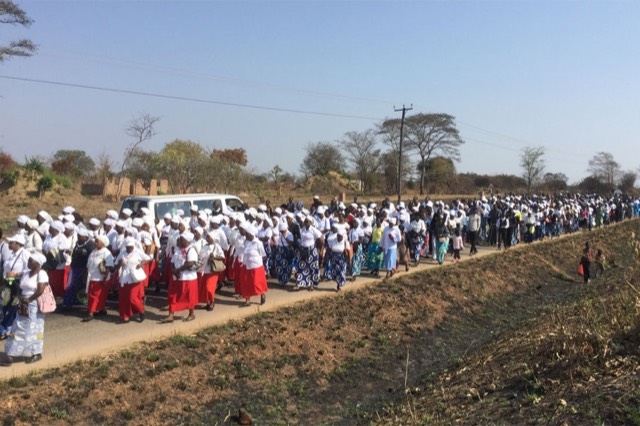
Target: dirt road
[[68, 339]]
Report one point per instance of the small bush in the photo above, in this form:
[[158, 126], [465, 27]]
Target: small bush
[[45, 183]]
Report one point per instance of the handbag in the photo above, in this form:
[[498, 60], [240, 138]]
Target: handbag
[[138, 274], [46, 301], [102, 267], [216, 265]]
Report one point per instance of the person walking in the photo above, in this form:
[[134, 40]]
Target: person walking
[[27, 336], [99, 265]]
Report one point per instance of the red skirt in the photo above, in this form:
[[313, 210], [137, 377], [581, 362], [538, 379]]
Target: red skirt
[[254, 282], [97, 296], [182, 295], [154, 272], [237, 276], [208, 285], [130, 300], [58, 280]]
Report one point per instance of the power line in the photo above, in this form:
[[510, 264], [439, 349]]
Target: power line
[[186, 99]]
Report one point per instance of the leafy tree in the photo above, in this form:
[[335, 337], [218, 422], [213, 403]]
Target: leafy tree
[[532, 163], [44, 184], [9, 172], [275, 175], [602, 166], [440, 172], [321, 158], [363, 154], [185, 164], [430, 135], [628, 181], [236, 156], [593, 184], [73, 163], [11, 13], [104, 170], [34, 167], [143, 166], [555, 182], [141, 129]]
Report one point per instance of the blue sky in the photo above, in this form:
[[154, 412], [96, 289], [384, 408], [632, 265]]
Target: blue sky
[[562, 74]]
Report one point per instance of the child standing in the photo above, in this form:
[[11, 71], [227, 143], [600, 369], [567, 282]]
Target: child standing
[[457, 245], [600, 262]]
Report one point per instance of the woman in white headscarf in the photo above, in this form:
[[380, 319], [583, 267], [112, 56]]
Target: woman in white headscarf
[[131, 262], [99, 265], [253, 280], [208, 278], [27, 336], [56, 247]]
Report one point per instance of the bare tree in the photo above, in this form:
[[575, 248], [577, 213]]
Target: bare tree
[[605, 168], [275, 175], [11, 13], [362, 152], [432, 134], [532, 163], [141, 129]]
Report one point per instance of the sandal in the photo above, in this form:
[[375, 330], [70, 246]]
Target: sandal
[[189, 318], [263, 299], [34, 358], [166, 321]]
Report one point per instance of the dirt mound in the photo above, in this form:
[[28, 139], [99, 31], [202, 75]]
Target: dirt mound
[[342, 360]]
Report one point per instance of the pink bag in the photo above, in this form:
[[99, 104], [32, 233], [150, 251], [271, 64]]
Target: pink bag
[[46, 301]]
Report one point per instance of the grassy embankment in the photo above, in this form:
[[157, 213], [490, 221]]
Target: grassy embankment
[[501, 339]]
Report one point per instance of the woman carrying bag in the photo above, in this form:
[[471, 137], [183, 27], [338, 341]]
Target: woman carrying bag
[[27, 335]]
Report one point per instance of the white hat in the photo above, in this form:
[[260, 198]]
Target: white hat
[[39, 258], [22, 219], [216, 219], [137, 222], [69, 226], [18, 238], [68, 210], [103, 239], [175, 219], [129, 242], [121, 224], [58, 226], [112, 214], [213, 235], [82, 232], [69, 218], [179, 212], [145, 211], [194, 208], [316, 197], [33, 224], [128, 212], [392, 220], [167, 215], [43, 214], [283, 226], [262, 208], [188, 236], [278, 210], [199, 230], [94, 221]]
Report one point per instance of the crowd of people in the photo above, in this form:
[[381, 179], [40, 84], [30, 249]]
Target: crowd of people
[[195, 253]]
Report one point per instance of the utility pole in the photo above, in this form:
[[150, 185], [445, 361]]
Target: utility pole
[[404, 111]]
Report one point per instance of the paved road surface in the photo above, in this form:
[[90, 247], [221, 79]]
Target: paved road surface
[[68, 339]]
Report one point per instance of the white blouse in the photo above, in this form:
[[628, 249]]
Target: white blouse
[[208, 251], [29, 285], [131, 262], [253, 253], [309, 236], [180, 257], [96, 258]]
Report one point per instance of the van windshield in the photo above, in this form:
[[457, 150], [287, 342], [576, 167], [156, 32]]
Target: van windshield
[[234, 204], [134, 205], [172, 207]]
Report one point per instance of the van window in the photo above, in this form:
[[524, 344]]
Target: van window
[[204, 204], [234, 204], [172, 207], [134, 205]]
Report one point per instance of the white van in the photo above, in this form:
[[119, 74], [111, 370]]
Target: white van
[[161, 204]]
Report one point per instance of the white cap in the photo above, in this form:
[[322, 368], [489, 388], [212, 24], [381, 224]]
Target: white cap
[[82, 232], [33, 224], [128, 212], [112, 214], [194, 208], [129, 242], [167, 215], [103, 239], [68, 210], [22, 219], [94, 221], [58, 226], [39, 258]]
